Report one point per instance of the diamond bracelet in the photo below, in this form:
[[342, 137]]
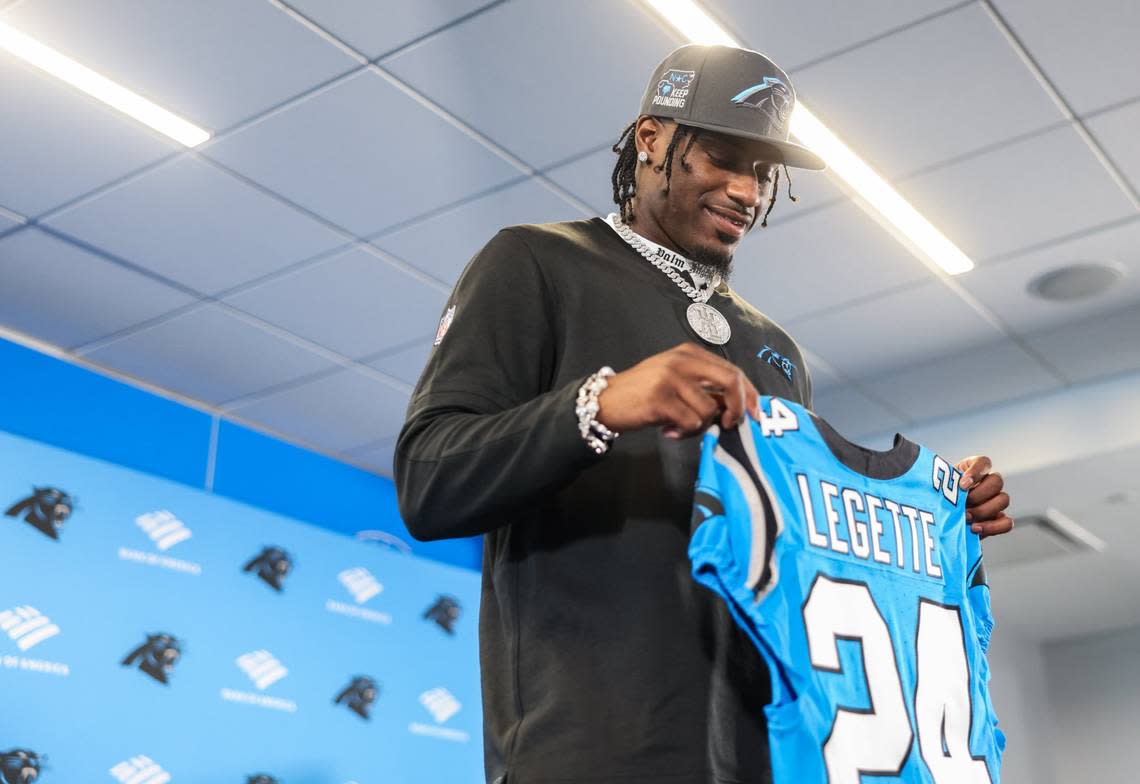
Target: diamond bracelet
[[596, 435]]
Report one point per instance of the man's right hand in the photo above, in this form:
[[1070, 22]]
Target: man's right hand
[[682, 390]]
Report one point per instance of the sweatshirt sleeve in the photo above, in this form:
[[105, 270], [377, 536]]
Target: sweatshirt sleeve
[[485, 433]]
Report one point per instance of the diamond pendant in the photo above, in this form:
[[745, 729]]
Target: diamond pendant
[[709, 323]]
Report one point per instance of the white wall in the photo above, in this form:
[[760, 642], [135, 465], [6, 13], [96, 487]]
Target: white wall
[[1018, 687], [1095, 697]]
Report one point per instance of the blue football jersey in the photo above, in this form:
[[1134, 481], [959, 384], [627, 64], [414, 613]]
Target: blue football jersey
[[856, 576]]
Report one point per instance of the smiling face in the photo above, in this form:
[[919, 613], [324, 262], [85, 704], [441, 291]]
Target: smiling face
[[714, 196]]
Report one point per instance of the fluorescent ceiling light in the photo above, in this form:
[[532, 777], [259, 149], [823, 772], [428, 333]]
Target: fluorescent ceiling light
[[100, 87], [692, 22], [872, 192]]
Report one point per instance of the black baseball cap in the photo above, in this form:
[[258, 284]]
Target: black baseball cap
[[731, 90]]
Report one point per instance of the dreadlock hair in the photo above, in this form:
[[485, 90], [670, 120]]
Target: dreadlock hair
[[624, 181]]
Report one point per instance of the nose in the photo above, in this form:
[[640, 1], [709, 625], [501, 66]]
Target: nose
[[749, 190]]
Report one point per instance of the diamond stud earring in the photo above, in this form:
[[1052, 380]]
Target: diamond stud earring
[[643, 156]]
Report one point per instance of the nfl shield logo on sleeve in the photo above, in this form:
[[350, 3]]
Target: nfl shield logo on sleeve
[[444, 324]]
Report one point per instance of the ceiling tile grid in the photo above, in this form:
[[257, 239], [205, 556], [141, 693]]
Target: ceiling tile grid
[[1035, 190], [895, 330], [856, 415], [1105, 345], [363, 155], [794, 34], [210, 355], [571, 81], [353, 303], [951, 384], [196, 225], [443, 244], [336, 412], [404, 362], [823, 260], [1116, 132], [375, 28], [973, 91], [179, 54], [1088, 50], [67, 296]]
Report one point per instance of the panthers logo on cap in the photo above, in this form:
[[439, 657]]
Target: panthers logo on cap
[[771, 96]]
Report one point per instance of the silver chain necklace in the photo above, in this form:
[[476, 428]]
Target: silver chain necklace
[[641, 245], [706, 321]]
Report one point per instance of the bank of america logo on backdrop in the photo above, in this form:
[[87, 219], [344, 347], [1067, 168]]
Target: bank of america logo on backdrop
[[27, 626], [440, 703], [164, 529], [262, 667], [359, 582], [139, 770]]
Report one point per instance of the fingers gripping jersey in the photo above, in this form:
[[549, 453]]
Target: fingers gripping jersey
[[858, 580]]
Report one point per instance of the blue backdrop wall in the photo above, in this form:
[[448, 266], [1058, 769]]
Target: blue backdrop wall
[[58, 403], [151, 632]]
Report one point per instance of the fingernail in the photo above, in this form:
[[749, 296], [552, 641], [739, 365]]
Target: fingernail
[[976, 529], [969, 515], [967, 482]]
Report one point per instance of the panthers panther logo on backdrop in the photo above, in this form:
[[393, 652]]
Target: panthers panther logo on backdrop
[[261, 778], [359, 695], [156, 656], [19, 766], [46, 509], [445, 612], [272, 565]]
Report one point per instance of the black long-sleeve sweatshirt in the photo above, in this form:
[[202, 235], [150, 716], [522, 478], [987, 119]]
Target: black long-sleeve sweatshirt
[[602, 660]]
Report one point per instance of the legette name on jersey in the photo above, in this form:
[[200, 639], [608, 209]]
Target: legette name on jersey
[[857, 525]]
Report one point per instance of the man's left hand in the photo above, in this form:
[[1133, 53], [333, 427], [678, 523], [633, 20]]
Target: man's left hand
[[985, 502]]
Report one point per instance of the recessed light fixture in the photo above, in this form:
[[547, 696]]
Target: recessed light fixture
[[872, 192], [1076, 281], [114, 95]]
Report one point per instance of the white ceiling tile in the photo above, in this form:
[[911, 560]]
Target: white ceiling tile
[[822, 378], [960, 382], [1087, 51], [814, 263], [363, 155], [796, 33], [196, 225], [914, 98], [210, 355], [379, 457], [335, 412], [897, 329], [588, 178], [546, 80], [406, 363], [57, 143], [376, 28], [1117, 131], [354, 303], [1002, 284], [855, 415], [1104, 345], [213, 62], [1038, 189], [59, 293], [443, 244]]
